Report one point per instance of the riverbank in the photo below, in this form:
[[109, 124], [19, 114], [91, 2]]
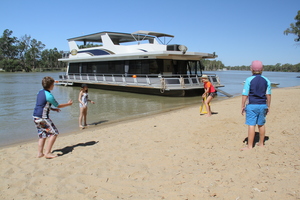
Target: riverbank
[[173, 155]]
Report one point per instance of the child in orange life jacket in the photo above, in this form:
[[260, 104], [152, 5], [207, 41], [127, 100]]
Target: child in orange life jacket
[[209, 93]]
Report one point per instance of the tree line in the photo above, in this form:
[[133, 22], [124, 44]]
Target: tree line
[[27, 54], [273, 68], [214, 65]]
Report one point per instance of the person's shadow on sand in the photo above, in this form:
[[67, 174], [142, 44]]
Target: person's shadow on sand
[[99, 122], [256, 139], [213, 113], [69, 149]]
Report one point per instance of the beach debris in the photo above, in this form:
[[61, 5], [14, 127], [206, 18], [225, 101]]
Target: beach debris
[[286, 133], [256, 189]]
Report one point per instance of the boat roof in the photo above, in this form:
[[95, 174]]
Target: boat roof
[[156, 34], [117, 37]]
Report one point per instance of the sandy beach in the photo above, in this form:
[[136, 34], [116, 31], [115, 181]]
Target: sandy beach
[[173, 155]]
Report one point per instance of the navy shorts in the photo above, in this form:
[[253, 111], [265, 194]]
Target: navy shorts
[[45, 127], [256, 114], [212, 94]]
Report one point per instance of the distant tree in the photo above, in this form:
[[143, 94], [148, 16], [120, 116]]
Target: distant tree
[[26, 54], [294, 28], [88, 45], [49, 59], [8, 48], [212, 65], [33, 54], [273, 68], [8, 51], [24, 45]]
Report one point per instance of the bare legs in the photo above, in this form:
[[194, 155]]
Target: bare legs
[[208, 100], [41, 145], [262, 131], [82, 115], [251, 134]]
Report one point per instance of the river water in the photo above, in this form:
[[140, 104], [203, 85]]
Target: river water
[[18, 94]]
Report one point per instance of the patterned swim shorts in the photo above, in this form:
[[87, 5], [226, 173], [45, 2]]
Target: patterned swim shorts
[[45, 127]]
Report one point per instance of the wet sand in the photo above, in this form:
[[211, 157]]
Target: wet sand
[[173, 155]]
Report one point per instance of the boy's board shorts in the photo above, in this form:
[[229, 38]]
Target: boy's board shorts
[[256, 114], [45, 127]]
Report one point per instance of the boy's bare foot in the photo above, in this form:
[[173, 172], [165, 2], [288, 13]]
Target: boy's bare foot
[[260, 145], [40, 155], [245, 148], [50, 156], [81, 127]]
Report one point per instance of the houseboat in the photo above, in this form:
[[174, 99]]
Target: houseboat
[[140, 62]]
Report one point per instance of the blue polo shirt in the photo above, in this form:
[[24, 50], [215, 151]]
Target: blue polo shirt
[[44, 100], [256, 87]]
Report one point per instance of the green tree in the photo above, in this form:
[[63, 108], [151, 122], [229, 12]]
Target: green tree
[[33, 54], [49, 59], [294, 28], [8, 50], [212, 65], [24, 45], [26, 54]]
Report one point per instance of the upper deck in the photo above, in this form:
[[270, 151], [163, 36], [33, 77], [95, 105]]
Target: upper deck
[[137, 45]]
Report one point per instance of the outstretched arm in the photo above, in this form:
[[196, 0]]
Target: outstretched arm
[[91, 101], [70, 102]]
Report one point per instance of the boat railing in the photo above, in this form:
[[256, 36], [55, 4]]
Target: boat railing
[[156, 80]]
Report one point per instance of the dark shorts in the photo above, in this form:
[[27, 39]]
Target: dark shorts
[[213, 94], [45, 127]]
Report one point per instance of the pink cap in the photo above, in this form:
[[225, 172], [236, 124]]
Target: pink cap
[[256, 65]]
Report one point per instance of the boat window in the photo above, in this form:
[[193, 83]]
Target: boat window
[[151, 66], [73, 68], [116, 67], [194, 67]]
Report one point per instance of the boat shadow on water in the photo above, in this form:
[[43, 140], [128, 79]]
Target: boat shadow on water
[[69, 149]]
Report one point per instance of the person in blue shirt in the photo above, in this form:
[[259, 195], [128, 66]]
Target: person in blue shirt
[[43, 123], [257, 90]]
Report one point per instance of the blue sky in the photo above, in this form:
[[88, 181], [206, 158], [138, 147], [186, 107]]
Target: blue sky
[[239, 31]]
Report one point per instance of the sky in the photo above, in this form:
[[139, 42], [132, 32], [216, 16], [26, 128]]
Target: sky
[[239, 31]]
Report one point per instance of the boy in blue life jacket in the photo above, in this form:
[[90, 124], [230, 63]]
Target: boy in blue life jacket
[[257, 90]]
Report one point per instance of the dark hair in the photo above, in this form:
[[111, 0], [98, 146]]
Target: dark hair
[[84, 85], [47, 82]]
